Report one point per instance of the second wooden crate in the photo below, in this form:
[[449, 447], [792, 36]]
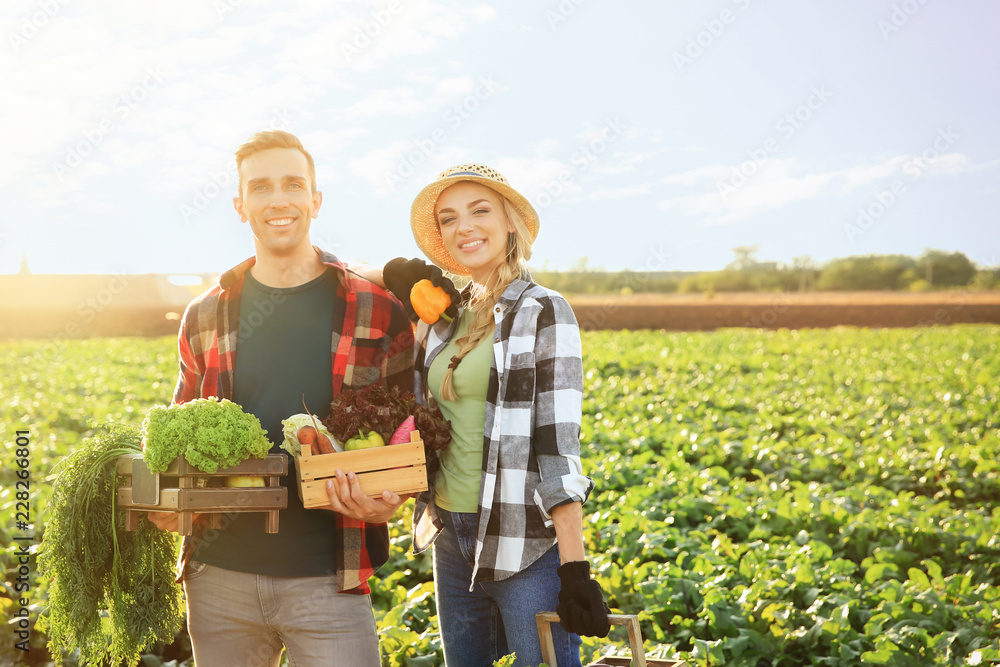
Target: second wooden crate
[[398, 468], [544, 620], [175, 490]]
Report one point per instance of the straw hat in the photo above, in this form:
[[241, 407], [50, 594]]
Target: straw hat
[[424, 222]]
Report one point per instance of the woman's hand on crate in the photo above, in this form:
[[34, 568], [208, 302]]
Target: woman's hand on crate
[[347, 498]]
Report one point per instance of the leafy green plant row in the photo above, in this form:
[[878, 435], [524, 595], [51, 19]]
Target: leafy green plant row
[[816, 497], [820, 497]]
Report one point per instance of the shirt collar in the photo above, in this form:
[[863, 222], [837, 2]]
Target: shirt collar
[[234, 276], [510, 295], [513, 293]]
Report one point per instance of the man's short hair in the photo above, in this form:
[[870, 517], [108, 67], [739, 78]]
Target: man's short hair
[[272, 139]]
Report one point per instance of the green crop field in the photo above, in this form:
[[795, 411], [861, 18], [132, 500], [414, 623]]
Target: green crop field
[[816, 497]]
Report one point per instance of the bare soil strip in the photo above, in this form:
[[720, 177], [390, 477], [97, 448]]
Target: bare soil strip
[[681, 312], [785, 310]]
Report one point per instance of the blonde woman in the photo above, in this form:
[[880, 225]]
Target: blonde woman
[[504, 511]]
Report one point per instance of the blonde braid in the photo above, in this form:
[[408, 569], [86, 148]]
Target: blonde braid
[[480, 328], [483, 300]]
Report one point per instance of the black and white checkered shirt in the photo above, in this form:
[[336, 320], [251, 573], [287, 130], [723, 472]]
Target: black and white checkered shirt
[[531, 440]]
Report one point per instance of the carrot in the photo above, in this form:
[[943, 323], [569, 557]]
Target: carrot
[[320, 443], [306, 435], [323, 444]]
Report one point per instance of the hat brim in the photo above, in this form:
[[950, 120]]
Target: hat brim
[[425, 227]]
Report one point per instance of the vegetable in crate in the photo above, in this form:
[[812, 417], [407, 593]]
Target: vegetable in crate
[[383, 410], [301, 429], [367, 440], [434, 429], [402, 434], [375, 408], [112, 592], [209, 433]]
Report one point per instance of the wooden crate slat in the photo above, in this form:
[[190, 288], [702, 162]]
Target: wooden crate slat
[[212, 500], [398, 468], [168, 500], [226, 500], [316, 466], [412, 479], [273, 464], [183, 499]]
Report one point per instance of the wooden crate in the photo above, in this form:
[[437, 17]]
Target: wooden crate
[[174, 490], [631, 623], [398, 468]]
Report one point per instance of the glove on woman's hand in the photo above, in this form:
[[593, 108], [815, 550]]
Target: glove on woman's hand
[[581, 607], [401, 274]]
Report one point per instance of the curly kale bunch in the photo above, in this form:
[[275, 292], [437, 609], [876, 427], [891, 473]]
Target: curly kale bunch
[[209, 433]]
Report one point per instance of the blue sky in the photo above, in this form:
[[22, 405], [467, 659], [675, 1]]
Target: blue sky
[[649, 134]]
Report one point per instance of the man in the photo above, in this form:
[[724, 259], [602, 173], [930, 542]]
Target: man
[[288, 324]]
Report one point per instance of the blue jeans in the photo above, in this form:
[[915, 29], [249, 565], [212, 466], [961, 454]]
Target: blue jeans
[[496, 617]]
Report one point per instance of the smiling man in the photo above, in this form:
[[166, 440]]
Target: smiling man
[[288, 324]]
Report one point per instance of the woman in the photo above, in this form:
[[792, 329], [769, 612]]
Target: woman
[[504, 510]]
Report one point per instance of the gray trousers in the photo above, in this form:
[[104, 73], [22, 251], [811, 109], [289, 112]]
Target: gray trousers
[[243, 620]]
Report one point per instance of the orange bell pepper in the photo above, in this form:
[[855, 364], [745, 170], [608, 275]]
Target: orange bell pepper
[[429, 302]]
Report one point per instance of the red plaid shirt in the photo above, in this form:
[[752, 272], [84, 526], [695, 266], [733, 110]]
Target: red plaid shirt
[[375, 345]]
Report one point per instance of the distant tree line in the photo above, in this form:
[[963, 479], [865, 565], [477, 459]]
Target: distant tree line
[[934, 269]]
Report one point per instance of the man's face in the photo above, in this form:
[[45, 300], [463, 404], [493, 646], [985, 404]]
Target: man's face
[[278, 200]]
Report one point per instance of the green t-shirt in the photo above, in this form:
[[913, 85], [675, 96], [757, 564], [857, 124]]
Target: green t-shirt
[[282, 353], [456, 487]]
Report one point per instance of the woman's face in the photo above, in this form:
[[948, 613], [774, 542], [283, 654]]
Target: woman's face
[[474, 227]]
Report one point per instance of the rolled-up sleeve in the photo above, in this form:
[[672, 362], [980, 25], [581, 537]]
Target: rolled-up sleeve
[[558, 407]]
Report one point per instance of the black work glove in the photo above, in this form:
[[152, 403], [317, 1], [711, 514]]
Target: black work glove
[[401, 274], [581, 607]]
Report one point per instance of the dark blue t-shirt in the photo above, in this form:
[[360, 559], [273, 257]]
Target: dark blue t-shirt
[[283, 354]]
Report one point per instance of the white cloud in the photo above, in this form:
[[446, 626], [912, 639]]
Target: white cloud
[[535, 178], [381, 165], [991, 164], [405, 166], [739, 191], [688, 178], [453, 87], [545, 148], [616, 169], [392, 101], [622, 193], [483, 13], [865, 174], [417, 28], [949, 163], [452, 100], [130, 155], [332, 141]]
